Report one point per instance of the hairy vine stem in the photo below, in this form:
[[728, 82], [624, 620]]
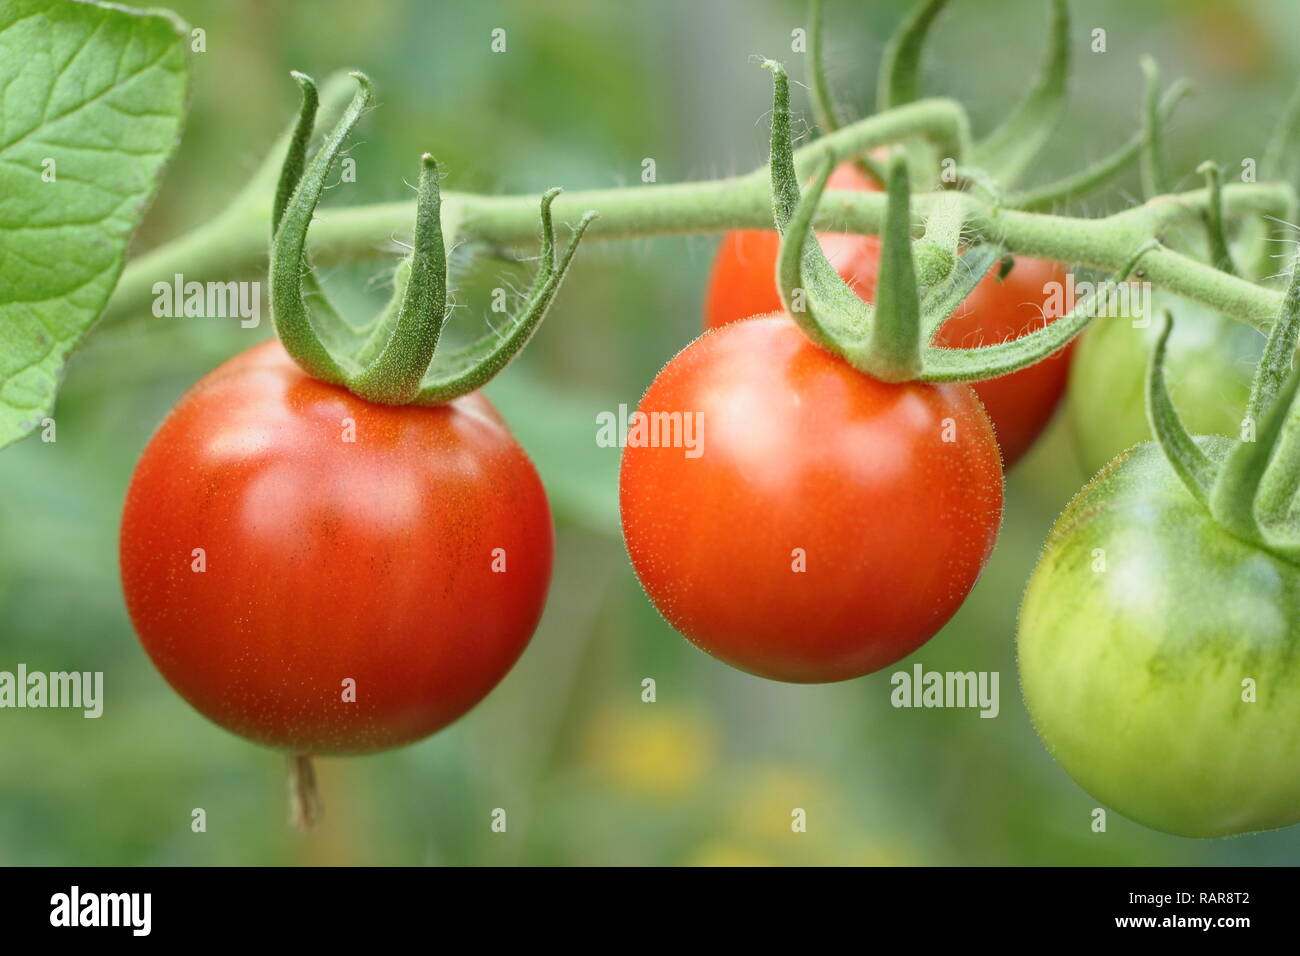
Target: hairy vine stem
[[233, 244]]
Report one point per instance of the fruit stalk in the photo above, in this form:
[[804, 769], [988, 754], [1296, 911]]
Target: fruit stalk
[[305, 806]]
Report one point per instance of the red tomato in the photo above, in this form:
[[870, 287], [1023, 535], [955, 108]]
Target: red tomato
[[743, 284], [888, 496], [1020, 404], [328, 560]]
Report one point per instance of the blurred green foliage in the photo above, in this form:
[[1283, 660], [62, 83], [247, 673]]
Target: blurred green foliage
[[586, 772]]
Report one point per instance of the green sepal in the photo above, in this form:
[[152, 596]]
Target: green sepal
[[1220, 256], [1012, 146], [1233, 496], [1276, 506], [1192, 466], [288, 246], [1279, 351], [993, 361], [394, 376], [1276, 503], [296, 154], [812, 293], [823, 103], [940, 302], [899, 81], [1097, 174], [1254, 493], [893, 349], [335, 333], [1153, 152], [884, 341], [394, 358], [379, 330], [457, 372]]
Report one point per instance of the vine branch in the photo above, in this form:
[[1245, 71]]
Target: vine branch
[[233, 244]]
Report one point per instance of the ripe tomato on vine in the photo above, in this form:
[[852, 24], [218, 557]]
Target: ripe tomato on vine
[[831, 524], [742, 284], [325, 575]]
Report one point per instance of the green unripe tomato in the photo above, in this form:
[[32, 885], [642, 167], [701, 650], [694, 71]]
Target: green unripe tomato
[[1143, 633], [1208, 368]]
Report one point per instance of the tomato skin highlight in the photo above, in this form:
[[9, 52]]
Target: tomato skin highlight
[[743, 284], [1133, 675], [329, 560], [802, 451]]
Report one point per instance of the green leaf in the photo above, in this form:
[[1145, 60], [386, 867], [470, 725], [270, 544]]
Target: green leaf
[[93, 101]]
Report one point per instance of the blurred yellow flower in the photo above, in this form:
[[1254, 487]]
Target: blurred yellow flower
[[652, 749], [769, 801], [784, 815], [729, 854]]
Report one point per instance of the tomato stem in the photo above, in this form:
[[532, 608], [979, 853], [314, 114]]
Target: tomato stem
[[936, 252], [1153, 160], [305, 806], [1220, 257], [232, 245]]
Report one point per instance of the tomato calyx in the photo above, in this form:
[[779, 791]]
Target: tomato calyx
[[1254, 492], [393, 359], [1220, 254], [1001, 157], [892, 339]]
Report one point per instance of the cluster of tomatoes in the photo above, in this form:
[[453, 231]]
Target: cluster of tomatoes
[[869, 509], [324, 575]]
